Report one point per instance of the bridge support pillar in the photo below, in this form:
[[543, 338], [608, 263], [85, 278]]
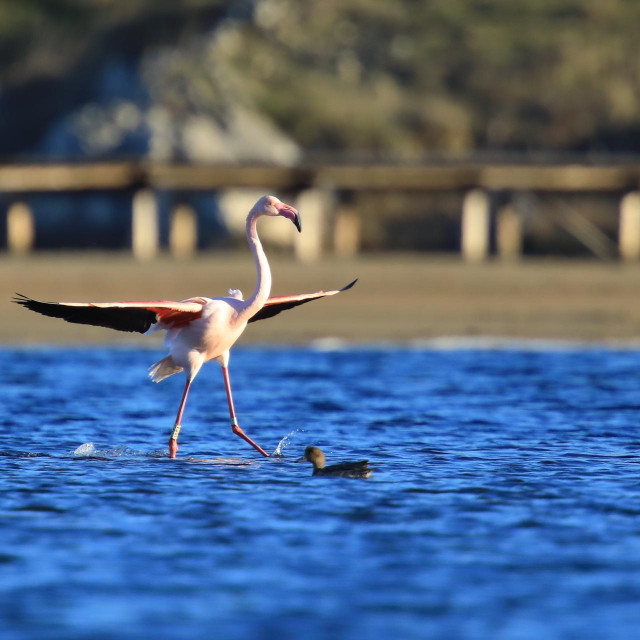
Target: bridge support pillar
[[476, 226], [629, 227], [509, 233], [183, 233], [144, 225], [21, 231], [314, 205]]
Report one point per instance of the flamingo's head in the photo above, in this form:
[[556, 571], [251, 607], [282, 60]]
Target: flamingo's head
[[271, 206]]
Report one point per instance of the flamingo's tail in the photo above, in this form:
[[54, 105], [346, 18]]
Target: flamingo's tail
[[163, 369]]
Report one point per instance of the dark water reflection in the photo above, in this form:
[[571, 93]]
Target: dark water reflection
[[506, 503]]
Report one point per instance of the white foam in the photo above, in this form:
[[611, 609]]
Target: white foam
[[84, 450], [488, 342], [88, 450], [329, 344]]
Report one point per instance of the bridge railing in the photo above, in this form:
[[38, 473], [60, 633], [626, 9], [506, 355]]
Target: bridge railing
[[319, 190]]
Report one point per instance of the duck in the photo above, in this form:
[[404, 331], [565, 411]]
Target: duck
[[342, 470]]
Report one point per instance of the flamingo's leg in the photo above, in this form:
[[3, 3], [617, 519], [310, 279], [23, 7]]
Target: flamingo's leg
[[173, 440], [235, 427]]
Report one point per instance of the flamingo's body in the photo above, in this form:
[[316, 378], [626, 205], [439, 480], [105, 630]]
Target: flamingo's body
[[197, 329]]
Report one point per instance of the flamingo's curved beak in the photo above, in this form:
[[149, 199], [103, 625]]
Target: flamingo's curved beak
[[287, 211]]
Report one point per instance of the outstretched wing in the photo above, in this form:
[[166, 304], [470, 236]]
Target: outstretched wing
[[122, 316], [275, 305]]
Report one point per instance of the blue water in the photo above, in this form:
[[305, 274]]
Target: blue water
[[505, 505]]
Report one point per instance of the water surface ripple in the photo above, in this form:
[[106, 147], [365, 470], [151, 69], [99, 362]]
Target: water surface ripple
[[506, 503]]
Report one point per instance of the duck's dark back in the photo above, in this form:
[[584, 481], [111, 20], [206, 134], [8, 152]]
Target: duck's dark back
[[346, 470]]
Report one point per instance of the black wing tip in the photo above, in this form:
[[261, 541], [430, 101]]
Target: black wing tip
[[350, 285], [137, 320], [45, 308], [20, 298]]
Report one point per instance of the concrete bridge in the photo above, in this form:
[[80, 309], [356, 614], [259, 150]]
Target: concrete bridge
[[321, 191]]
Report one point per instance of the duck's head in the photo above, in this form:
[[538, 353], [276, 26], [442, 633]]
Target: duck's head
[[272, 206], [313, 455]]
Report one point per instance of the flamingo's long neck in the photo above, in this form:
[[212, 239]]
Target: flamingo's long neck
[[263, 285]]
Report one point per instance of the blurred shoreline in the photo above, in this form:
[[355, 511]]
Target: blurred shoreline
[[435, 300]]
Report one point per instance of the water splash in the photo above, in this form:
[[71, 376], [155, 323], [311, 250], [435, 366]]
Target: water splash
[[88, 450], [284, 443], [84, 450]]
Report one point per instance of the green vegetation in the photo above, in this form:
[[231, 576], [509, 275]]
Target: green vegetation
[[403, 78], [454, 75]]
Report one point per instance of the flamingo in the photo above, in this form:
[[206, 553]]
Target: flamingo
[[197, 329]]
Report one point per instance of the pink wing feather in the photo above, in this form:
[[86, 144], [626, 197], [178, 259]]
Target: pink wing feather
[[139, 316], [275, 305]]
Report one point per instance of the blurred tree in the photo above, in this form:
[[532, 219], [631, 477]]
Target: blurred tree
[[369, 77], [56, 53], [452, 75]]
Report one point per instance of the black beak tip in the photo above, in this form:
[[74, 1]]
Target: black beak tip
[[297, 220]]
